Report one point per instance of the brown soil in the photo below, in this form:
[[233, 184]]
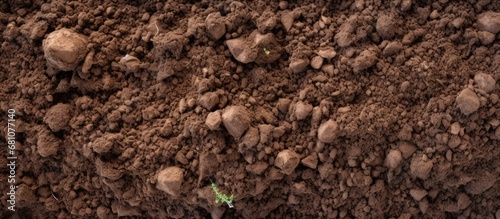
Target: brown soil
[[307, 109]]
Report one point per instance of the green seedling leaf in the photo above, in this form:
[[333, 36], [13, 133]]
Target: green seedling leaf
[[222, 197], [266, 51]]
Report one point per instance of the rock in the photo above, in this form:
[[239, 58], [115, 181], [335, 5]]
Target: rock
[[267, 21], [57, 117], [393, 159], [485, 37], [468, 102], [265, 133], [365, 60], [489, 21], [303, 110], [327, 53], [386, 26], [216, 25], [47, 143], [329, 69], [485, 82], [327, 131], [310, 161], [298, 65], [241, 51], [65, 49], [418, 194], [129, 63], [421, 167], [287, 161], [267, 46], [249, 140], [455, 128], [392, 48], [170, 180], [209, 100], [287, 20], [236, 119], [317, 62], [213, 120]]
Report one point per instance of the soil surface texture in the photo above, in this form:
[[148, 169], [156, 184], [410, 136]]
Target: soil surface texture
[[298, 109]]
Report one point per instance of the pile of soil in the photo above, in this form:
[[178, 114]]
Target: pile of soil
[[299, 109]]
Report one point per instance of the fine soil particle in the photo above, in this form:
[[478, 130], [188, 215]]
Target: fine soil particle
[[307, 109]]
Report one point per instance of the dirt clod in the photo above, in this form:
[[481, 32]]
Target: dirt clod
[[216, 26], [213, 120], [418, 194], [327, 131], [303, 110], [421, 166], [393, 159], [170, 180], [365, 60], [65, 49], [468, 102], [236, 120], [57, 117], [47, 143], [489, 21], [287, 161], [386, 26], [485, 82]]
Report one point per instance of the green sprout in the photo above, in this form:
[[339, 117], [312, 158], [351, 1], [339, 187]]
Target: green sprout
[[222, 197], [266, 51]]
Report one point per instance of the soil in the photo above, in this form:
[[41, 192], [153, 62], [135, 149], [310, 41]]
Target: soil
[[300, 109]]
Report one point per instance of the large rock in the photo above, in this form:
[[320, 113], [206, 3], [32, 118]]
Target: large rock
[[468, 102], [327, 131], [170, 180], [65, 49], [287, 161], [489, 21], [236, 119]]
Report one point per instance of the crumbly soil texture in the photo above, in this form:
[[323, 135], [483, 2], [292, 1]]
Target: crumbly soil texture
[[299, 109]]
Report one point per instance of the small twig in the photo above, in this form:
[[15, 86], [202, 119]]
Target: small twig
[[189, 62], [54, 196], [157, 29]]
